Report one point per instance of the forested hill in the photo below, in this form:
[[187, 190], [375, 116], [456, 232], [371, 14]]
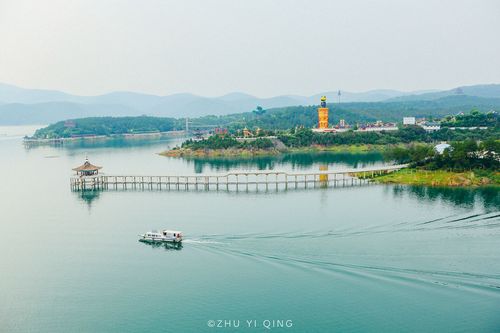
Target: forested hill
[[278, 118], [288, 117], [107, 126]]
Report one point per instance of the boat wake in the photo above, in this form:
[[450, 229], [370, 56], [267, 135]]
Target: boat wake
[[200, 241], [474, 221], [295, 249]]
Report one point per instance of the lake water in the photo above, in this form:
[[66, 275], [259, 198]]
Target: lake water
[[361, 259]]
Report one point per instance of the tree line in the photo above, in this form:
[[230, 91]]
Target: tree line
[[106, 126], [460, 156], [226, 142], [303, 137]]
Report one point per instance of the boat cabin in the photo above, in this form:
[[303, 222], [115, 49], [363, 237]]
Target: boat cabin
[[172, 234], [163, 236], [87, 169], [154, 234]]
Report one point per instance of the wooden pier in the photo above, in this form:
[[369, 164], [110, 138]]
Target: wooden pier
[[233, 181]]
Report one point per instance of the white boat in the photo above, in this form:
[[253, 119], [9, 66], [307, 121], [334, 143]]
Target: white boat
[[163, 236]]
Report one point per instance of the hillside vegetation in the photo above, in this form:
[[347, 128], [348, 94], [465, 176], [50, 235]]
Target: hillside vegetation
[[105, 126], [306, 137], [473, 119], [292, 116]]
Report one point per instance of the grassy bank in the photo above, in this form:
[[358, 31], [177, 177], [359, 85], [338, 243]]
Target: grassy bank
[[441, 178]]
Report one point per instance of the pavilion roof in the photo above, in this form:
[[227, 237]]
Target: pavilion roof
[[87, 167]]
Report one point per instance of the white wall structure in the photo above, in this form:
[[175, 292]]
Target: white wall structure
[[409, 121]]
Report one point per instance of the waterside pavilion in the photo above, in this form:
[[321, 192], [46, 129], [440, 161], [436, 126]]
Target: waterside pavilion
[[87, 169]]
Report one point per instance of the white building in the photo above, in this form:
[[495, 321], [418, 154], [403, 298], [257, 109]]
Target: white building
[[409, 121], [378, 128], [430, 126]]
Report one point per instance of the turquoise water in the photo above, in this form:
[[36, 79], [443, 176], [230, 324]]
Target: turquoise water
[[363, 259]]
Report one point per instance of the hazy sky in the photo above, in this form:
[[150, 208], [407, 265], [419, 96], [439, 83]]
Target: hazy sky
[[262, 47]]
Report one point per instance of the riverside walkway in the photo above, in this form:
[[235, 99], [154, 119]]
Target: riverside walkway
[[233, 181]]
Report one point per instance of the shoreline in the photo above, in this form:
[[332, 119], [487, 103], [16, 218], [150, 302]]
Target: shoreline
[[105, 137], [221, 153], [245, 152]]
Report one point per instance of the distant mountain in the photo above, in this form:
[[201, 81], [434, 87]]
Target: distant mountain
[[13, 94], [482, 90], [368, 96], [50, 112], [129, 99], [32, 106], [235, 96]]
